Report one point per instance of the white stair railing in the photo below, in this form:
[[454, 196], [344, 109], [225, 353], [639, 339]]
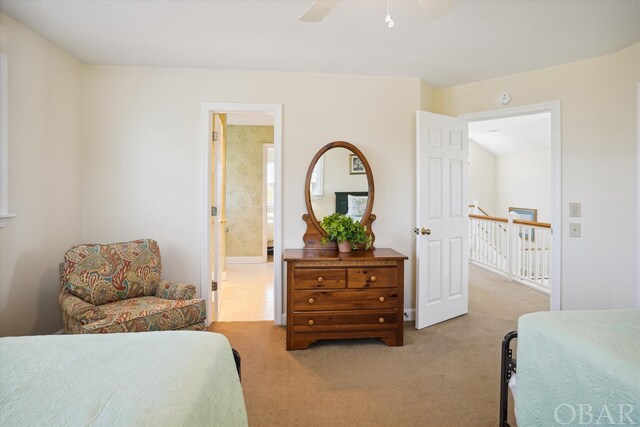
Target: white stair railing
[[518, 249]]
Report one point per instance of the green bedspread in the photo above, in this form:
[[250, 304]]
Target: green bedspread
[[578, 368], [173, 378]]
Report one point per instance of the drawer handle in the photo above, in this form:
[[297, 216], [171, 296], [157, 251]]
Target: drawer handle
[[381, 299], [312, 300], [381, 320], [320, 279], [310, 322], [373, 278]]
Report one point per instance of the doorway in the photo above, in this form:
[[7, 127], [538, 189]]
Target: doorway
[[553, 211], [228, 239], [246, 286], [442, 228]]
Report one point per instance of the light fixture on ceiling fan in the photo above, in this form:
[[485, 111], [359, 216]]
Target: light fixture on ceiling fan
[[432, 8], [388, 19]]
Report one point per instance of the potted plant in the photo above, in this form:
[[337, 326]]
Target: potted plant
[[346, 231]]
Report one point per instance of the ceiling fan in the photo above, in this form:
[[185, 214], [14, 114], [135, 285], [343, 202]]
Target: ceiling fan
[[432, 8]]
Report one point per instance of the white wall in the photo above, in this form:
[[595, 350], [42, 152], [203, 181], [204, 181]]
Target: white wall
[[598, 99], [143, 136], [44, 179], [523, 180], [482, 178]]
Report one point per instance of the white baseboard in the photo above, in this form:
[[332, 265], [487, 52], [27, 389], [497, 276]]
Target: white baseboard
[[409, 314], [246, 259], [533, 287]]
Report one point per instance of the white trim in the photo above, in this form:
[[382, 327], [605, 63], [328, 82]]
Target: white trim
[[265, 226], [638, 195], [532, 286], [409, 314], [4, 142], [208, 109], [554, 108], [246, 259], [4, 219]]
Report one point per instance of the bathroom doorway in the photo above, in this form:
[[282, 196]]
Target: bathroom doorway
[[243, 189]]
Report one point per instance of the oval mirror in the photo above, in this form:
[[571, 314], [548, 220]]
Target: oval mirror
[[339, 179]]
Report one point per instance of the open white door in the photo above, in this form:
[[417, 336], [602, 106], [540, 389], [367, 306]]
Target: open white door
[[442, 241], [217, 227]]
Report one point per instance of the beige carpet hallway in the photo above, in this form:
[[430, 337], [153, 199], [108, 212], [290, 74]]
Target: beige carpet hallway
[[445, 375]]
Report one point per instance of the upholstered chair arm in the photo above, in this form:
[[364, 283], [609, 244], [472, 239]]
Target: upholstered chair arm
[[76, 308], [175, 291]]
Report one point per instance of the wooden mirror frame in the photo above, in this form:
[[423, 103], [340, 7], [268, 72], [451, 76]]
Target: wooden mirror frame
[[314, 234]]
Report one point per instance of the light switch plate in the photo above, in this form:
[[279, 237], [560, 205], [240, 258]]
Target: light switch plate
[[575, 210], [574, 230]]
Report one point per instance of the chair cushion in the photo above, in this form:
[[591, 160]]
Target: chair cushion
[[148, 314], [100, 274]]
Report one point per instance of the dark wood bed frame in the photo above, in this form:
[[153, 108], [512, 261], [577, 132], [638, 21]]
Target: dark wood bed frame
[[507, 368], [342, 199], [237, 360]]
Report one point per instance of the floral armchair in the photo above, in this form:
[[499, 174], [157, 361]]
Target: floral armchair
[[117, 288]]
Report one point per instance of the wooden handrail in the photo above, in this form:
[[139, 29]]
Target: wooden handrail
[[480, 209], [515, 221], [532, 223], [488, 218]]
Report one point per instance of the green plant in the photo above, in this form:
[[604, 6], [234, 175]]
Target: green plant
[[340, 228]]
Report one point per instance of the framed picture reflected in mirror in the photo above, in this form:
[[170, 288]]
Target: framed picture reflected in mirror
[[356, 167]]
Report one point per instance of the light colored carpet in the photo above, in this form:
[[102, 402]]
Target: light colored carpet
[[445, 375]]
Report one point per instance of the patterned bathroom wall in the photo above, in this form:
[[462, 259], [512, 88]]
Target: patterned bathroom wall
[[245, 188]]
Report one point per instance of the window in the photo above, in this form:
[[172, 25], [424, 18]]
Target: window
[[317, 180]]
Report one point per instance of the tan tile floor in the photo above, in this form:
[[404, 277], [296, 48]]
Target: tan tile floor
[[247, 294]]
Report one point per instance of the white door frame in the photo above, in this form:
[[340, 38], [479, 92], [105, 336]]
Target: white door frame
[[556, 182], [638, 195], [265, 226], [208, 108]]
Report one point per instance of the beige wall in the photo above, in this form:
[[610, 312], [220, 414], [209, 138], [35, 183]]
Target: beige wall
[[44, 179], [146, 122], [598, 99], [427, 96], [482, 178], [523, 180], [245, 187]]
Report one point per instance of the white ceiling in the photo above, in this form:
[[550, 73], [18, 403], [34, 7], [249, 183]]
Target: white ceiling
[[512, 134], [478, 40]]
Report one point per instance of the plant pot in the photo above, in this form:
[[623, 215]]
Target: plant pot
[[344, 246]]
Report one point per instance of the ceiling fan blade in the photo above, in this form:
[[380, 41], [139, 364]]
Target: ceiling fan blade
[[436, 8], [317, 11]]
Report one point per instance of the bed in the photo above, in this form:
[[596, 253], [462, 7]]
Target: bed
[[573, 368], [171, 378], [352, 203]]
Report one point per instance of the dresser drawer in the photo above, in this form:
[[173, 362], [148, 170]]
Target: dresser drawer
[[345, 300], [345, 320], [375, 277], [321, 278]]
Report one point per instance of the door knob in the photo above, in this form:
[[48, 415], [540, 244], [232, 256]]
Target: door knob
[[426, 231]]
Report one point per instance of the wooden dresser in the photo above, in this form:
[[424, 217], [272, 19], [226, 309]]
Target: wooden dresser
[[334, 295]]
